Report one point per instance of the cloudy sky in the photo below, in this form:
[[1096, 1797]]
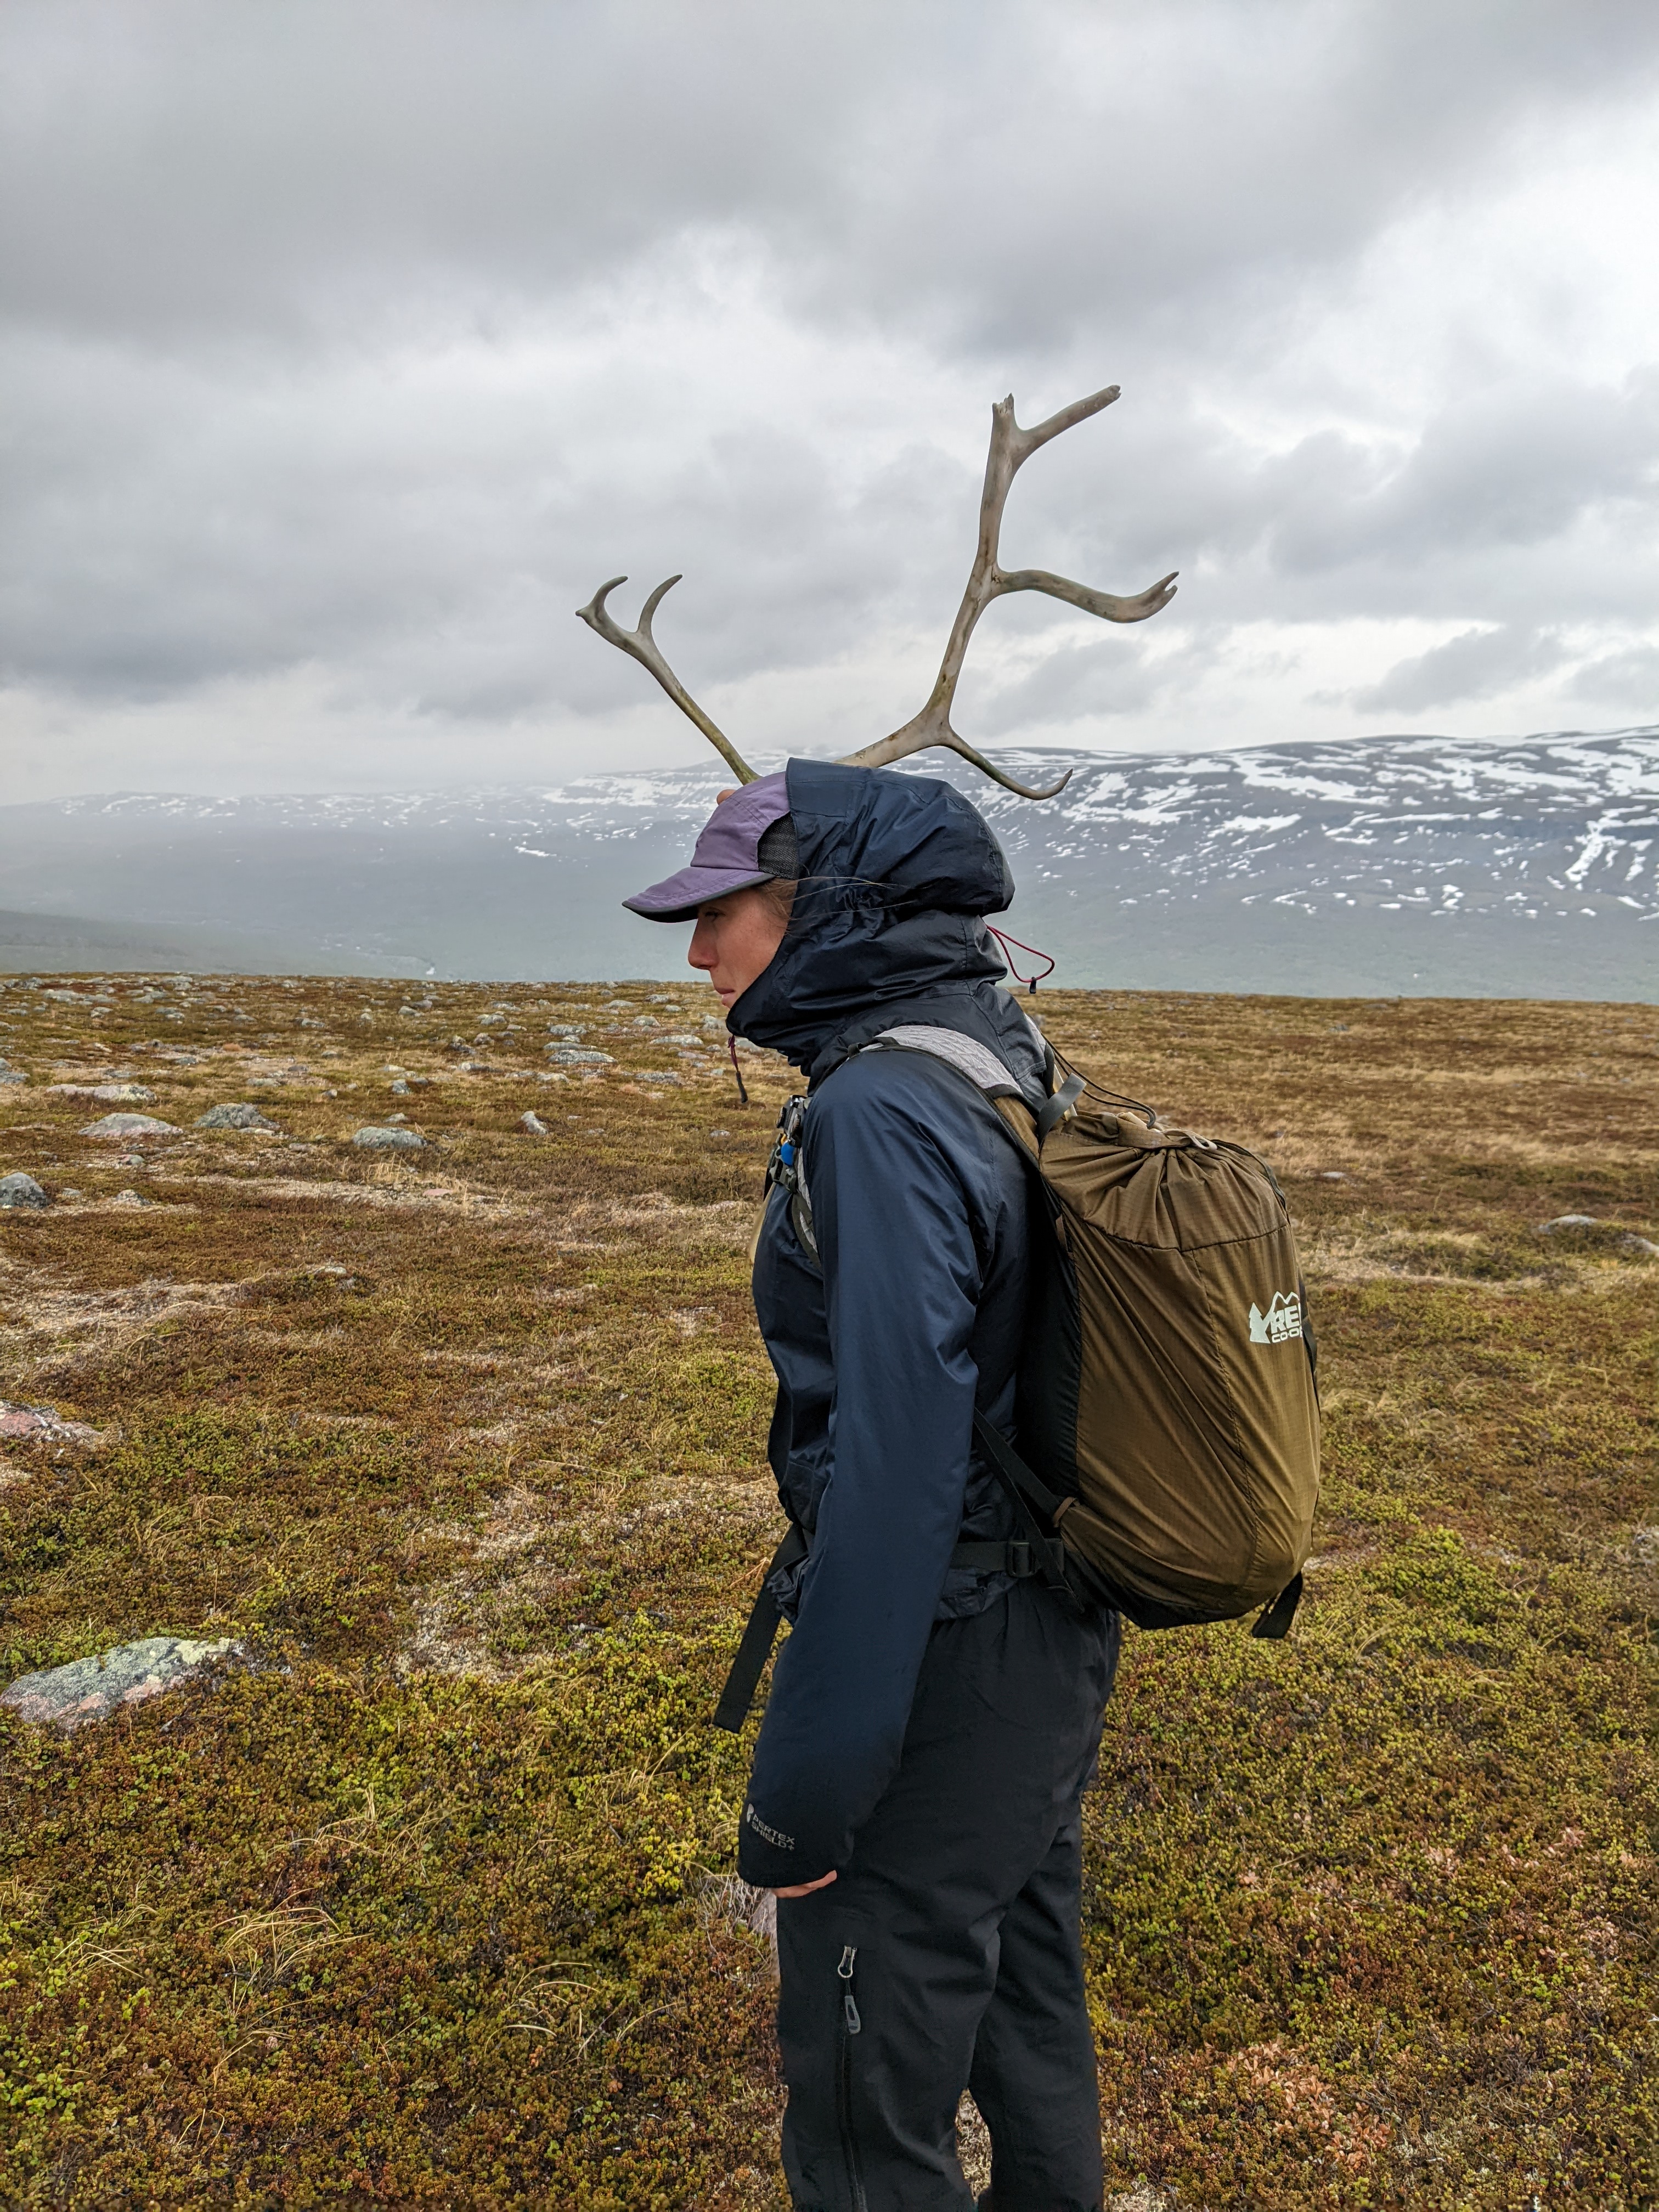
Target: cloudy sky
[[346, 347]]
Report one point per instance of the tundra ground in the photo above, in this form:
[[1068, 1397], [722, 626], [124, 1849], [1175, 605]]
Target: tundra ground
[[429, 1902]]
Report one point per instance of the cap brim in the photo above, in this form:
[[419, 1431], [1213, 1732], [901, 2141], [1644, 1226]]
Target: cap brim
[[677, 898]]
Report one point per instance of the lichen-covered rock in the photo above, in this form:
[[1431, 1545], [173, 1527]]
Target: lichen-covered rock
[[91, 1689], [41, 1421], [128, 1125], [574, 1055], [22, 1190], [240, 1116], [389, 1140], [1593, 1233], [105, 1094], [533, 1124]]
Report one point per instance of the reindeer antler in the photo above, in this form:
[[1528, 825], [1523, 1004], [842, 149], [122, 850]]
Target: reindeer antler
[[643, 647], [1010, 447], [986, 581]]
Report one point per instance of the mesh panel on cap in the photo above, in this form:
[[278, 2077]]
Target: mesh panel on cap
[[779, 850]]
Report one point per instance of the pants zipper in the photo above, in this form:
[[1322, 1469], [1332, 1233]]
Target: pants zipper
[[851, 2025]]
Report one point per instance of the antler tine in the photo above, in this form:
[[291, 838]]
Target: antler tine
[[1010, 447], [1025, 790], [643, 647]]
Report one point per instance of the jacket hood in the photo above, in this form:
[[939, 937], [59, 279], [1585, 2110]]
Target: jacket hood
[[897, 873]]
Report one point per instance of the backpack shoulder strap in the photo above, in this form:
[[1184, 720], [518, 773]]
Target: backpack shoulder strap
[[989, 1075]]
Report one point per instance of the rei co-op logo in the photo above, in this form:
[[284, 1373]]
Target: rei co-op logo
[[1281, 1322]]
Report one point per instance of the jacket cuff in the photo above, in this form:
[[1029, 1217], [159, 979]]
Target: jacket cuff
[[767, 1858]]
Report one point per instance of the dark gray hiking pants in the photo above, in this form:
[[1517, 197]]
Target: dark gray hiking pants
[[947, 1956]]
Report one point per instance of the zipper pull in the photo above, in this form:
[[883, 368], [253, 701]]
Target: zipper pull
[[849, 2006]]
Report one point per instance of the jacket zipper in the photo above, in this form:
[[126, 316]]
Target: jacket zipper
[[851, 2025]]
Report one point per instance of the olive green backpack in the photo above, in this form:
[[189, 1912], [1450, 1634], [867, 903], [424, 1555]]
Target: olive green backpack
[[1169, 1417]]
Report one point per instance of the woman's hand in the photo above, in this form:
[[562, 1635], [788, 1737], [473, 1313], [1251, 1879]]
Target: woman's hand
[[805, 1888]]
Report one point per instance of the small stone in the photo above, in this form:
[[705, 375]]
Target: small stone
[[400, 1089], [1569, 1221], [122, 1094], [68, 1191], [389, 1140], [19, 1190], [91, 1689], [130, 1125], [130, 1160], [130, 1198], [1640, 1247], [42, 1421], [236, 1116], [572, 1055], [719, 1133], [655, 1075], [12, 1075], [534, 1125]]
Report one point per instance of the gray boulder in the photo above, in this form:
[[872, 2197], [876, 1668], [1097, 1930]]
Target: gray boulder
[[20, 1190], [233, 1117], [130, 1125], [91, 1689], [389, 1141]]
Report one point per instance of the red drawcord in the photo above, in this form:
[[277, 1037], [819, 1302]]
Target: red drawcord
[[1029, 981]]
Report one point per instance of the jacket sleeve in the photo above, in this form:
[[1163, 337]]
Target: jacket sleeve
[[903, 1273]]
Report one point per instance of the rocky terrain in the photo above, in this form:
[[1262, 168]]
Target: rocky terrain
[[381, 1496]]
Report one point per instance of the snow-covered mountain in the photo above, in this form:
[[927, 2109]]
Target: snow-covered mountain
[[1416, 865]]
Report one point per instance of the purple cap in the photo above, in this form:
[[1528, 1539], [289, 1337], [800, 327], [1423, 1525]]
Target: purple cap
[[728, 855]]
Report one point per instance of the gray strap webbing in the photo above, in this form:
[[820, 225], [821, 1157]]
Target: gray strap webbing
[[1055, 1110]]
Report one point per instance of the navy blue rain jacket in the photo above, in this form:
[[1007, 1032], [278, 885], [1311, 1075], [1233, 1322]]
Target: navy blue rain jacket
[[922, 1211]]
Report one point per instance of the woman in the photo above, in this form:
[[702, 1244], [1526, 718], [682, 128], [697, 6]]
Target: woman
[[915, 1796]]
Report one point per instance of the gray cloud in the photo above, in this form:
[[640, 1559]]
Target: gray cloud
[[350, 349], [1471, 666]]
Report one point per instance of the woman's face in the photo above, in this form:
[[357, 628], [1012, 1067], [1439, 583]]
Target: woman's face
[[735, 938]]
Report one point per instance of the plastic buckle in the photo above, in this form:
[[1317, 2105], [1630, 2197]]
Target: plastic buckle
[[1021, 1564]]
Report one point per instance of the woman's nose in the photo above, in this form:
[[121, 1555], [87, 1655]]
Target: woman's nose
[[699, 953]]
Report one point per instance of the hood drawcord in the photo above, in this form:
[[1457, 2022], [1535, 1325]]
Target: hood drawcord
[[1029, 981], [731, 1046]]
